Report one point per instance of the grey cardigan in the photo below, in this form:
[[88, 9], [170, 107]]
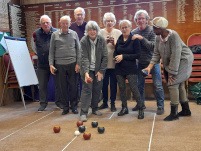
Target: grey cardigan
[[176, 57], [101, 55]]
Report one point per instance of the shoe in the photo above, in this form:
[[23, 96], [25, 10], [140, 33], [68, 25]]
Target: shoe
[[103, 106], [97, 113], [65, 112], [60, 107], [75, 111], [123, 111], [160, 111], [185, 110], [42, 108], [136, 108], [140, 114], [113, 108], [83, 118], [173, 113]]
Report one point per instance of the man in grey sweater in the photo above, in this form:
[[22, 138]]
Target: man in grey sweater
[[64, 55], [145, 33]]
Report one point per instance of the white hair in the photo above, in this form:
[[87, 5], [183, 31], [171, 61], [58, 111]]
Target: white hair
[[92, 25], [45, 16], [109, 14], [139, 12], [125, 21], [66, 17], [79, 8]]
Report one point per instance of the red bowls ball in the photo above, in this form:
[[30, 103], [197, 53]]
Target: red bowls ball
[[56, 129], [87, 135]]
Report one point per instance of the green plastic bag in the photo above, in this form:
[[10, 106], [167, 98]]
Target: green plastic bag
[[196, 91]]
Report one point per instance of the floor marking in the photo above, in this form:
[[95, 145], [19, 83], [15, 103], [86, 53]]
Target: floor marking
[[69, 143], [112, 115], [26, 126], [152, 132]]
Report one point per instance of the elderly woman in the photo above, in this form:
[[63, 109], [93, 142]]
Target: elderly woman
[[125, 55], [111, 35], [93, 65], [177, 60]]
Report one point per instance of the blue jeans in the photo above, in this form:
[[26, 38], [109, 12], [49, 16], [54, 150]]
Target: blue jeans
[[157, 82], [109, 77]]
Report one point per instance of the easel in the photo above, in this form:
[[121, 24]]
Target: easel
[[22, 94]]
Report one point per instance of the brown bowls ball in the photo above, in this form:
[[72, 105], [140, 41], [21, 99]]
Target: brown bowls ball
[[56, 129], [87, 135]]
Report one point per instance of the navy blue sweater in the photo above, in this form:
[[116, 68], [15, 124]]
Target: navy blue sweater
[[130, 49]]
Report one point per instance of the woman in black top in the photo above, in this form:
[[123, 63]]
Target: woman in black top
[[125, 55]]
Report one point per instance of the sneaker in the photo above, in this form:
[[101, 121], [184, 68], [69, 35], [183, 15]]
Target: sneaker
[[97, 113], [113, 108], [83, 118], [160, 111], [42, 108], [103, 106], [136, 108]]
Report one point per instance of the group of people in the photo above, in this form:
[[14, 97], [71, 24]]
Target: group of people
[[79, 51]]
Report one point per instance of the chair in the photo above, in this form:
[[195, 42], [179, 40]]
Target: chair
[[194, 39], [10, 80]]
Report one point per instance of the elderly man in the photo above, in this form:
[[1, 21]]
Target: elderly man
[[79, 24], [40, 44], [79, 27], [145, 34], [64, 56]]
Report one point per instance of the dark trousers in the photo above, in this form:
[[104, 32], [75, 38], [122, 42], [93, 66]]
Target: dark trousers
[[110, 77], [132, 79], [43, 75], [66, 82], [90, 94]]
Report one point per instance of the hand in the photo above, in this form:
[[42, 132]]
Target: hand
[[77, 68], [112, 41], [108, 39], [171, 79], [99, 76], [147, 69], [137, 36], [86, 77], [52, 69], [118, 58]]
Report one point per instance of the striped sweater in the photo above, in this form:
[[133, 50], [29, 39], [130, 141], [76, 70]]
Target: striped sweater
[[147, 44]]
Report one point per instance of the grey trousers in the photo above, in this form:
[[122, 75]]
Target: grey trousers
[[90, 94], [132, 79], [177, 93]]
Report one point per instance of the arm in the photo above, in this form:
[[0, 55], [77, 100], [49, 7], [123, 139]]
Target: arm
[[33, 42], [104, 58], [136, 51], [84, 53], [78, 54], [176, 51], [51, 53]]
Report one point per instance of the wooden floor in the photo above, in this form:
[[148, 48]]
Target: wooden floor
[[28, 130]]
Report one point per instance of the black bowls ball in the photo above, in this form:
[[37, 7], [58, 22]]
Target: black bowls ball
[[94, 124], [82, 128], [101, 129]]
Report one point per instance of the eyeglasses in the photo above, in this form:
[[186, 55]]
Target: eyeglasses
[[79, 15], [45, 23], [141, 18], [126, 27], [107, 21]]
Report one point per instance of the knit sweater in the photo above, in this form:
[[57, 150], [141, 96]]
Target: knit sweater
[[40, 43], [176, 57], [147, 44], [80, 30], [130, 49], [64, 48], [115, 34]]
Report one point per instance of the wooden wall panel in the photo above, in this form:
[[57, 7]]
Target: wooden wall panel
[[184, 16]]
